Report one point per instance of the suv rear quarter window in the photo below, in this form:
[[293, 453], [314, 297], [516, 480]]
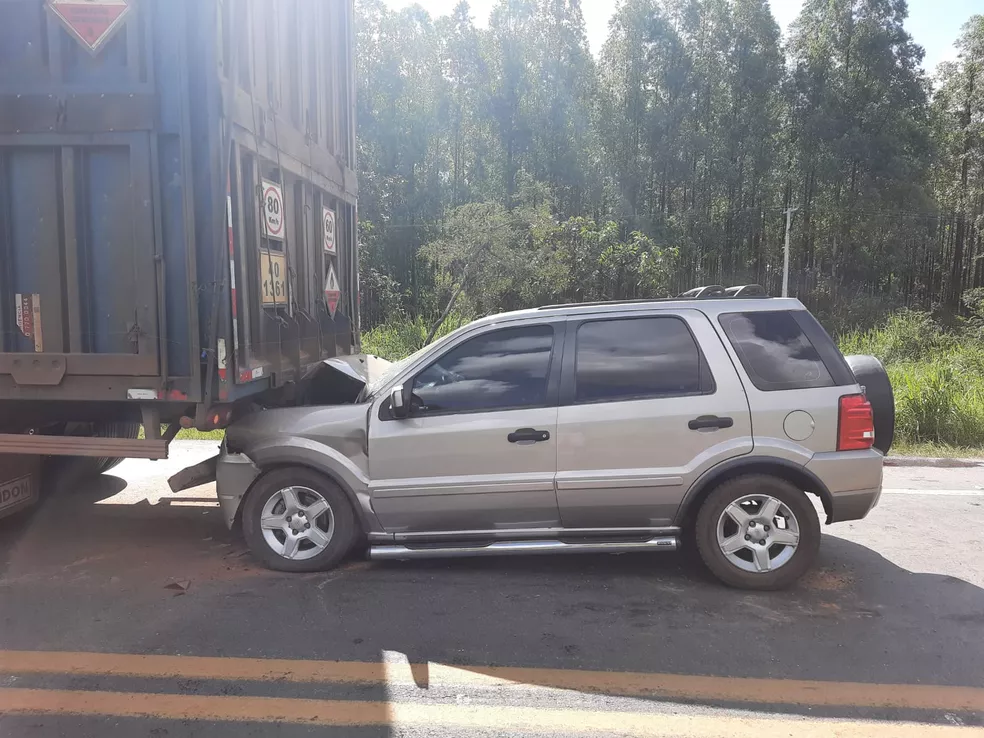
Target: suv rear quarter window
[[776, 351]]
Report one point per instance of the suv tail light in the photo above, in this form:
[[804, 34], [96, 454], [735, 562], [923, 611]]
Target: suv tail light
[[855, 423]]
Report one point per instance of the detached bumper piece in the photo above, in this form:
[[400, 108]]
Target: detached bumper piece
[[194, 476]]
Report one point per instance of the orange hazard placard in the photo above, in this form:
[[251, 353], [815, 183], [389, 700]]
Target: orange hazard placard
[[92, 22]]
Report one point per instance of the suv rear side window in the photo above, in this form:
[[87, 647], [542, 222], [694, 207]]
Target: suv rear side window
[[500, 370], [775, 351], [638, 358]]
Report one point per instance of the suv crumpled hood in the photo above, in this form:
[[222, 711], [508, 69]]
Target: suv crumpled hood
[[362, 368], [340, 379], [328, 415]]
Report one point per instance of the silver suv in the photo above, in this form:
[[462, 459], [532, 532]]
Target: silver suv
[[608, 427]]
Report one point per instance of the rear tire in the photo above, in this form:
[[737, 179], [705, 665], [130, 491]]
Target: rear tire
[[86, 466], [732, 549], [117, 430], [297, 520]]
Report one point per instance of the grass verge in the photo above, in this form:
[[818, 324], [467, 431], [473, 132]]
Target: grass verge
[[938, 379], [190, 434], [936, 450]]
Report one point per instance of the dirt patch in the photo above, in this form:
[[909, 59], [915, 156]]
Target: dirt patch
[[827, 580]]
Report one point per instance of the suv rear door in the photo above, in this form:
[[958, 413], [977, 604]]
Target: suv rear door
[[648, 402]]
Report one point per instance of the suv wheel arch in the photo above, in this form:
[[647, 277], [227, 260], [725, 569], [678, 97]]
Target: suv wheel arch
[[796, 474], [366, 526]]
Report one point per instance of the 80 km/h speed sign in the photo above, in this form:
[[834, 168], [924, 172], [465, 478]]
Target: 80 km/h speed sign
[[274, 216], [329, 226]]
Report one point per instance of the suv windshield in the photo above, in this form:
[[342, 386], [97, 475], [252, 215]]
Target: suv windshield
[[373, 388]]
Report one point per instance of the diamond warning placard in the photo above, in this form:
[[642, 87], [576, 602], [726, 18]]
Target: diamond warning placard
[[92, 22], [333, 292]]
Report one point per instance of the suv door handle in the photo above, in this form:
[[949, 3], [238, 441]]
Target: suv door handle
[[528, 435], [710, 421]]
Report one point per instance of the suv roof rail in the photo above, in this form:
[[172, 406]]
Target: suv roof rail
[[598, 303], [747, 290], [708, 292]]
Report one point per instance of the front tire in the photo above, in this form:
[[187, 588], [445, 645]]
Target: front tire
[[297, 520], [758, 532]]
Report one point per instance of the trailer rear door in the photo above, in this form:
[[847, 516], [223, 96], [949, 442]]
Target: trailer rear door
[[78, 277]]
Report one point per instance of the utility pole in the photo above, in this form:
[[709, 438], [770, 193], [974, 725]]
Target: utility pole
[[785, 258]]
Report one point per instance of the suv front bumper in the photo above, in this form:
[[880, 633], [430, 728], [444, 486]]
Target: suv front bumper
[[853, 480], [234, 475]]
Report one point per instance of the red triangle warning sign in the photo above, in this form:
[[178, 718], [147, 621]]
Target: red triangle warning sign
[[93, 22], [333, 292]]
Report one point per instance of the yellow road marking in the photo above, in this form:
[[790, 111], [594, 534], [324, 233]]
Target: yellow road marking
[[628, 684], [502, 719]]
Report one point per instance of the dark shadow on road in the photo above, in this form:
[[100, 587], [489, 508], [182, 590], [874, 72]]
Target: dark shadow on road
[[87, 576], [76, 527], [857, 618]]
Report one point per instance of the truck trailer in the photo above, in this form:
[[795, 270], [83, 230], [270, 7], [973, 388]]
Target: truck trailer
[[178, 204]]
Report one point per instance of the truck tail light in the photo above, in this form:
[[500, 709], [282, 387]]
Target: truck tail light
[[855, 423]]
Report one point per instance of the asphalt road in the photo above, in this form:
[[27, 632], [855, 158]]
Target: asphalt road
[[128, 611]]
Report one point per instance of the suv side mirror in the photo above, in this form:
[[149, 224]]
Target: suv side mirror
[[398, 405]]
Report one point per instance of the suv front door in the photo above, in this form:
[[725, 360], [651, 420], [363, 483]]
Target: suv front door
[[478, 451], [648, 403]]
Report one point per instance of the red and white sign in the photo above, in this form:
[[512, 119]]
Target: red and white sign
[[333, 292], [328, 218], [27, 308], [92, 22], [274, 217]]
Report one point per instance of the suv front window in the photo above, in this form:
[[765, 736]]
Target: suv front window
[[499, 370]]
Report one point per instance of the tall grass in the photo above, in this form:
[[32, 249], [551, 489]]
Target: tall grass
[[937, 376], [397, 340]]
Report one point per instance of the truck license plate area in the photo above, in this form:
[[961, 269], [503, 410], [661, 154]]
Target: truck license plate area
[[16, 494]]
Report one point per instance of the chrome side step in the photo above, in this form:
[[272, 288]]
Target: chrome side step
[[521, 548]]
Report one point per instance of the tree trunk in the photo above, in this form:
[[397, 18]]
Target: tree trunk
[[447, 311], [956, 266]]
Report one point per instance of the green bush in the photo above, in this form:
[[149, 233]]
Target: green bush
[[937, 376], [906, 336]]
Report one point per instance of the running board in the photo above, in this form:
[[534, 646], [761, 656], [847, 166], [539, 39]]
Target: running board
[[522, 548]]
